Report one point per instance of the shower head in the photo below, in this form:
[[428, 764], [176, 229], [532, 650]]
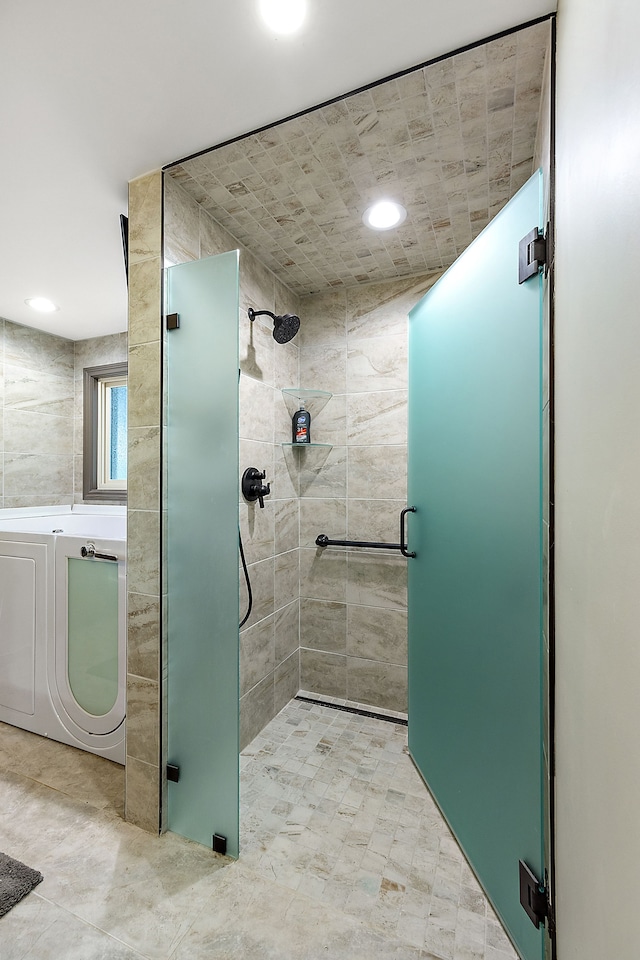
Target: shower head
[[284, 328]]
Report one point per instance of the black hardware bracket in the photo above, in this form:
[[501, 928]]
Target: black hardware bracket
[[219, 844], [173, 772], [173, 321], [532, 255], [533, 896]]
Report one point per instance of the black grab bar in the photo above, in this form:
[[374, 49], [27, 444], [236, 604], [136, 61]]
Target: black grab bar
[[322, 540]]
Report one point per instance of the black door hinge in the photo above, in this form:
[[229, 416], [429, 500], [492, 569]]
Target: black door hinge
[[173, 321], [532, 254], [173, 772], [219, 844], [533, 896]]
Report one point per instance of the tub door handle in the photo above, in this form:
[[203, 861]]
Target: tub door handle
[[90, 551]]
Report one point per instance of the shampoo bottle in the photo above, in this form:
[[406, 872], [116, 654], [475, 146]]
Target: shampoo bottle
[[301, 432]]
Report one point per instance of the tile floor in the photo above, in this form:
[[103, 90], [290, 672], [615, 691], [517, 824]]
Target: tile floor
[[344, 856]]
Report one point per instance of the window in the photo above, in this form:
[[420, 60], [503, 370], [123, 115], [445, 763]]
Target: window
[[105, 432]]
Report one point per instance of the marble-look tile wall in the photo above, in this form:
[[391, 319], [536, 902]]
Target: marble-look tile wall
[[36, 417], [143, 767], [269, 660], [90, 353], [353, 603]]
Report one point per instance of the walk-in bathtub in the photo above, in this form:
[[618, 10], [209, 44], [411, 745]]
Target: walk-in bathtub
[[63, 625]]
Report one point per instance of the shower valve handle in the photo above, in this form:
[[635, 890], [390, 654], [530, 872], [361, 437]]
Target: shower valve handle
[[252, 487]]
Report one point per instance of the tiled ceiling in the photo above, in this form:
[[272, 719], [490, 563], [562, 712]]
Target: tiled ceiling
[[452, 142]]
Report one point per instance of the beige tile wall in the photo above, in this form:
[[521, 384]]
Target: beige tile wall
[[353, 604], [36, 417], [143, 768]]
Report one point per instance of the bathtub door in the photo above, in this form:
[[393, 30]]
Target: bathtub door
[[475, 586], [202, 549], [88, 657]]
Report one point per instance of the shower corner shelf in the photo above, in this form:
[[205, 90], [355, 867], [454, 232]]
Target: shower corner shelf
[[300, 393], [304, 446], [303, 395]]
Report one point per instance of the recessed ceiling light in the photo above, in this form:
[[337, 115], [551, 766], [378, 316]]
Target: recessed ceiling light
[[384, 215], [283, 16], [42, 304]]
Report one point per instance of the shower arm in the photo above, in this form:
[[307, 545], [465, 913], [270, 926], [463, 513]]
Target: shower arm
[[260, 313]]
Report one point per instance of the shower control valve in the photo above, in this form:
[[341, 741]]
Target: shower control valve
[[252, 486]]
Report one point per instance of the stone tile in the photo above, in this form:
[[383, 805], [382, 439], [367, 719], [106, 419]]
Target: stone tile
[[256, 410], [377, 364], [32, 475], [381, 684], [35, 928], [322, 516], [141, 794], [377, 520], [286, 680], [181, 224], [323, 319], [143, 708], [257, 529], [29, 432], [37, 391], [376, 580], [377, 417], [36, 350], [325, 673], [287, 630], [256, 709], [145, 217], [143, 471], [324, 367], [323, 626], [377, 633], [382, 469], [145, 281], [144, 385], [323, 471], [143, 628], [286, 524], [323, 574], [262, 588], [257, 653], [287, 578], [257, 349], [143, 552]]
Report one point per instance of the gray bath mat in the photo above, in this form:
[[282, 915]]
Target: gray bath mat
[[16, 881]]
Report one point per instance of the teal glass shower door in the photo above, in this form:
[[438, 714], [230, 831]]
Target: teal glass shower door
[[201, 534], [475, 587]]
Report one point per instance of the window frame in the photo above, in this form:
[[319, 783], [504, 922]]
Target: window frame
[[92, 432]]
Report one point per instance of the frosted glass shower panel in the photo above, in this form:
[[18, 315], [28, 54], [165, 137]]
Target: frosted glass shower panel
[[202, 548]]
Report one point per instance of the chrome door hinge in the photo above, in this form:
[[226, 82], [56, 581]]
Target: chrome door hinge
[[533, 254]]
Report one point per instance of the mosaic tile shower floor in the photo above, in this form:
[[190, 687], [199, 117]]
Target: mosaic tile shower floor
[[344, 857]]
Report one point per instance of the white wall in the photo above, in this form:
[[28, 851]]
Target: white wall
[[598, 479]]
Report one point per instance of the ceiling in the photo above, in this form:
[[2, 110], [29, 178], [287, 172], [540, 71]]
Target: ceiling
[[96, 95], [451, 142]]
